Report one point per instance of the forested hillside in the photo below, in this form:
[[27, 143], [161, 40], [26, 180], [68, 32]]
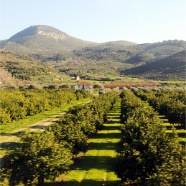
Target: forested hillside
[[168, 68], [19, 70]]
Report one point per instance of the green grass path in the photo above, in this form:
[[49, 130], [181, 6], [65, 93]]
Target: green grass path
[[96, 167], [10, 134]]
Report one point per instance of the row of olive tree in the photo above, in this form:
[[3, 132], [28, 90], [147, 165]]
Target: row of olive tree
[[147, 155], [167, 102], [47, 154], [17, 104]]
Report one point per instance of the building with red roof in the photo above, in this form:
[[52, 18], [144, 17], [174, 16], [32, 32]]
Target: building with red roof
[[84, 85]]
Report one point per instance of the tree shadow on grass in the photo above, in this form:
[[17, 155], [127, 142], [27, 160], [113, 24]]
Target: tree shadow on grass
[[37, 127], [111, 127], [85, 183], [182, 134], [10, 145], [110, 121], [107, 136], [95, 162], [102, 146], [113, 117], [18, 134]]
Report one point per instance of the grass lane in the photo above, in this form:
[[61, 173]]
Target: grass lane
[[178, 128], [30, 120], [10, 134], [97, 165]]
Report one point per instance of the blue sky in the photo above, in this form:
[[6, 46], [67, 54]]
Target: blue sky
[[139, 21]]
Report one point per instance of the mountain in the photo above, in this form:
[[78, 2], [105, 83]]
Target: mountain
[[75, 56], [149, 60], [168, 68], [42, 39]]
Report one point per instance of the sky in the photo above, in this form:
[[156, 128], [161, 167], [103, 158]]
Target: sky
[[140, 21]]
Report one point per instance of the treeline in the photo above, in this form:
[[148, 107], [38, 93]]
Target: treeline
[[170, 103], [17, 104], [47, 154], [147, 155]]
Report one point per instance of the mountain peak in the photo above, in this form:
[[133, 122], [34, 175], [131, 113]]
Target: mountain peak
[[43, 39], [42, 30]]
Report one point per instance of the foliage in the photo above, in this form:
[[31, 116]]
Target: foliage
[[147, 155], [171, 103], [39, 158], [82, 121], [17, 104], [69, 130]]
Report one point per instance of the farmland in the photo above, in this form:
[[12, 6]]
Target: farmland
[[111, 140], [97, 165]]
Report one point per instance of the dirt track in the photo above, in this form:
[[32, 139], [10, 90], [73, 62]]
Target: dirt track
[[9, 140]]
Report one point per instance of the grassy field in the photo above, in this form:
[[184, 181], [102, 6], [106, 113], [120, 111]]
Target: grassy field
[[9, 127], [97, 166]]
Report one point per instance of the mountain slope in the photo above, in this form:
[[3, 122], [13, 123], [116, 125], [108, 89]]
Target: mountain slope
[[22, 70], [42, 39], [132, 53], [169, 68]]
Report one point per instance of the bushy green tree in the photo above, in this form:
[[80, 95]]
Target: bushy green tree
[[17, 104], [39, 158], [170, 103], [69, 129]]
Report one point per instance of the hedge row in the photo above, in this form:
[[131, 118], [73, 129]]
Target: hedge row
[[17, 104], [147, 156], [167, 102]]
